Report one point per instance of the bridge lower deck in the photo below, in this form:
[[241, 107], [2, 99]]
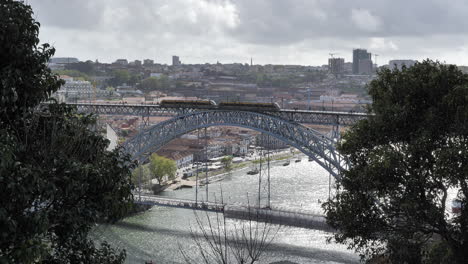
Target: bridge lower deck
[[180, 203], [274, 216]]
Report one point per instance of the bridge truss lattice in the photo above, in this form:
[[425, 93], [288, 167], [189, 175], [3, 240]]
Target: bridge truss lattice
[[314, 144], [285, 125]]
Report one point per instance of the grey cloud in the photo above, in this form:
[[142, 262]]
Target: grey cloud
[[262, 21], [291, 21], [68, 14], [158, 16], [273, 31]]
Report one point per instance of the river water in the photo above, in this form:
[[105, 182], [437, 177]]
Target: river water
[[158, 234]]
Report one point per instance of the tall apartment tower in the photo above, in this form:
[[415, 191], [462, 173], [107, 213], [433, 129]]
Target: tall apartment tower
[[176, 61], [362, 61], [336, 65]]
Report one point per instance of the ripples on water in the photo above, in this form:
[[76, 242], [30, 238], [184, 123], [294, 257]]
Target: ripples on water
[[156, 234]]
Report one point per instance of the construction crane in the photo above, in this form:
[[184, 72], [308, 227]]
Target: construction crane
[[94, 91]]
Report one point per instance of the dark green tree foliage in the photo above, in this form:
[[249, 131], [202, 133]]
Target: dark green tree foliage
[[403, 161], [119, 77], [227, 163], [314, 76], [56, 177], [285, 80], [155, 83], [73, 73], [85, 67], [23, 65], [161, 167]]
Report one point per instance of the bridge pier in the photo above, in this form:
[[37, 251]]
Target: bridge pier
[[144, 123]]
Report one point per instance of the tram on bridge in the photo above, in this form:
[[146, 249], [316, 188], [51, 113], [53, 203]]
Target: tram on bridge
[[210, 104], [188, 103]]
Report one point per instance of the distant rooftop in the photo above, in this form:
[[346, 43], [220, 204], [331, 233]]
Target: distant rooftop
[[63, 60]]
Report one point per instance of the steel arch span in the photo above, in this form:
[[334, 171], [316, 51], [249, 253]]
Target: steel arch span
[[312, 143]]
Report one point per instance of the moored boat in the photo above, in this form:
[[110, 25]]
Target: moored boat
[[253, 171]]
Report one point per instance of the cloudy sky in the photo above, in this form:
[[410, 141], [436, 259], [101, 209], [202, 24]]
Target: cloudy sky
[[271, 31]]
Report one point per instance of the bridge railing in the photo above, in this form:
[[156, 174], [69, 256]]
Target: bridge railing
[[197, 205], [300, 116], [270, 215]]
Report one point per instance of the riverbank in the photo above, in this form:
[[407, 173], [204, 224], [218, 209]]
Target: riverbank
[[252, 161], [219, 175]]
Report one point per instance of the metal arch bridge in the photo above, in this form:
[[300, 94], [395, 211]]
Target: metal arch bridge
[[317, 146], [284, 125]]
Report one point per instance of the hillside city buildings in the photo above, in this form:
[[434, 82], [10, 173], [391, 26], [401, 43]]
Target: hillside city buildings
[[339, 85]]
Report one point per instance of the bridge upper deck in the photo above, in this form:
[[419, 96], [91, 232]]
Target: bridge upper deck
[[295, 115]]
